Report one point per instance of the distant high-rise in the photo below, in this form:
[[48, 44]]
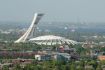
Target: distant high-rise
[[29, 33]]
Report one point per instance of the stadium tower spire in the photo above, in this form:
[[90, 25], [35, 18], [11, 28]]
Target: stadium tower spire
[[29, 33]]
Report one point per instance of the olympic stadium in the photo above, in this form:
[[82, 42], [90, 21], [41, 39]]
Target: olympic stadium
[[45, 40], [51, 40]]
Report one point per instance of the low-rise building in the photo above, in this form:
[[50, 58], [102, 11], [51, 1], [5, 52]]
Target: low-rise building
[[62, 56], [43, 57], [101, 57]]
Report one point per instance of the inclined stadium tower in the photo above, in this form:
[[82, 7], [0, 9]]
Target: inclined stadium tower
[[29, 33], [46, 40]]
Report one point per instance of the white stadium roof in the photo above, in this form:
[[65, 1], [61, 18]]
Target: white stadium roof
[[51, 40]]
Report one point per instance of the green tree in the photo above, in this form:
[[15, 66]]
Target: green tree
[[80, 68], [5, 67], [72, 66], [17, 67], [99, 67]]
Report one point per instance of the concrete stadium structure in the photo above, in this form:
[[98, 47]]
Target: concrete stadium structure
[[46, 40], [30, 32], [51, 40]]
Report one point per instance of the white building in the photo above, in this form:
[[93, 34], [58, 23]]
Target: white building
[[51, 40]]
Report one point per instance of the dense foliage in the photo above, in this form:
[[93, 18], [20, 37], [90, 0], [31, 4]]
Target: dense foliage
[[55, 65]]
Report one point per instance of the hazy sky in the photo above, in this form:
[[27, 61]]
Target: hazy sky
[[55, 10]]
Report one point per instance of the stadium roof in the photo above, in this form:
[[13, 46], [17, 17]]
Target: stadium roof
[[51, 40]]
